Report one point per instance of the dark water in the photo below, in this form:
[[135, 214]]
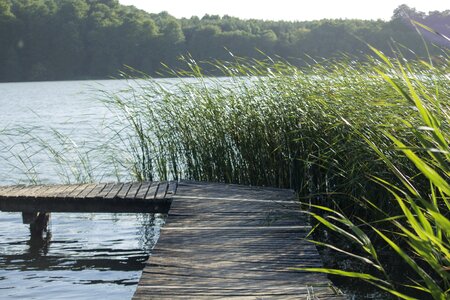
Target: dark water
[[83, 256]]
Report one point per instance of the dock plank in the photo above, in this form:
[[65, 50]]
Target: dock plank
[[162, 190], [97, 190], [66, 192], [114, 191], [133, 190], [227, 241], [142, 192], [101, 197], [74, 193], [125, 188], [87, 191], [152, 191], [105, 191], [172, 188], [16, 191], [61, 188]]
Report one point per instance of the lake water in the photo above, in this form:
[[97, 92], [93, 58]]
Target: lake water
[[37, 116], [83, 256]]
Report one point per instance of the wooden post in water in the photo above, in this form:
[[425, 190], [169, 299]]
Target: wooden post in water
[[38, 222]]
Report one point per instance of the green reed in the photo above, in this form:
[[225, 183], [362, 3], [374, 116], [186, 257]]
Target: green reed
[[266, 123], [364, 144], [420, 230], [37, 155]]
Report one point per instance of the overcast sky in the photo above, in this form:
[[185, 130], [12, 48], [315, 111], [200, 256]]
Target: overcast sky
[[287, 9]]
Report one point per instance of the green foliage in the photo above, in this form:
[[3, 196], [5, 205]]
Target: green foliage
[[420, 232], [369, 140], [49, 39]]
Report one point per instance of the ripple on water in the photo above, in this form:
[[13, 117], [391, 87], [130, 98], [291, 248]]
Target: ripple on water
[[83, 256]]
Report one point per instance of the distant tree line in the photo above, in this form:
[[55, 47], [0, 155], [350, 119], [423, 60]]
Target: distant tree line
[[77, 39]]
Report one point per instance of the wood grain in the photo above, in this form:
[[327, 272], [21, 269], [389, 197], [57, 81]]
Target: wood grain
[[101, 197], [227, 241]]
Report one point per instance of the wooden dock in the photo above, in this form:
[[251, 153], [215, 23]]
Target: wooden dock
[[150, 197], [220, 241], [227, 241]]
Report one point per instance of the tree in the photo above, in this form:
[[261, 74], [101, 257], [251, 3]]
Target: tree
[[68, 39]]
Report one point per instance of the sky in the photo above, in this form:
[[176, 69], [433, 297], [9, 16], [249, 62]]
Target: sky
[[300, 10]]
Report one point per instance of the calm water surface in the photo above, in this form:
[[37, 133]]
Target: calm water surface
[[82, 256], [37, 116]]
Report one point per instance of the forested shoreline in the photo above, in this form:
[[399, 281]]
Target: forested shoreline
[[82, 39]]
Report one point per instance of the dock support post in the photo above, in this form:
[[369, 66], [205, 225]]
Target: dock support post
[[38, 221], [28, 218]]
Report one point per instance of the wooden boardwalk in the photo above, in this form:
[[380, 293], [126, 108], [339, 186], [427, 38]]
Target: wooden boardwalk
[[220, 241], [227, 241], [149, 197]]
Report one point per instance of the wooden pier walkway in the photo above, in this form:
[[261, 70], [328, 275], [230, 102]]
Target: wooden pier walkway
[[219, 242], [151, 197], [228, 241]]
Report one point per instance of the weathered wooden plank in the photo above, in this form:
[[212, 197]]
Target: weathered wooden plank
[[15, 192], [210, 296], [284, 203], [142, 192], [218, 280], [152, 191], [7, 189], [31, 191], [114, 191], [209, 268], [87, 191], [66, 192], [247, 201], [268, 216], [144, 294], [271, 213], [162, 190], [202, 207], [230, 222], [123, 192], [105, 191], [4, 188], [215, 190], [171, 190], [44, 191], [238, 290], [249, 258], [74, 193], [226, 285], [133, 191], [60, 189], [95, 191], [285, 250]]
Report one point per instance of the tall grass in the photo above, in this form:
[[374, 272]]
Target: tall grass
[[266, 123], [36, 155], [419, 233], [364, 144]]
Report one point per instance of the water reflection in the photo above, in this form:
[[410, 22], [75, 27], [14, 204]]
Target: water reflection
[[77, 257]]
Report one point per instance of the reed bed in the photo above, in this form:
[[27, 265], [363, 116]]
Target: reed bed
[[364, 144], [265, 123]]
